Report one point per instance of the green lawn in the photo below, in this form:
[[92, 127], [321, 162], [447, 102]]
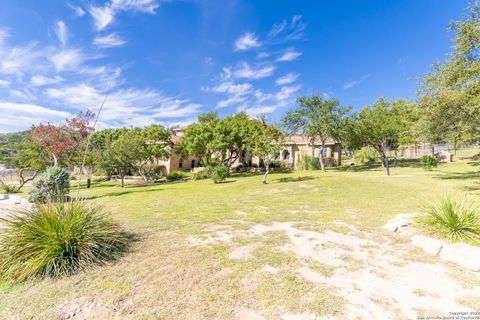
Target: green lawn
[[175, 269]]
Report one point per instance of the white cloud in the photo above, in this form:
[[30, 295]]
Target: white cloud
[[287, 79], [4, 83], [16, 60], [20, 116], [79, 12], [4, 34], [350, 84], [103, 16], [40, 80], [244, 70], [294, 30], [110, 40], [230, 87], [286, 92], [61, 31], [256, 111], [123, 107], [67, 59], [262, 55], [24, 94], [247, 41], [289, 55]]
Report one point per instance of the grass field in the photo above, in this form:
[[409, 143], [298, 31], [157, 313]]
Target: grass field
[[291, 248]]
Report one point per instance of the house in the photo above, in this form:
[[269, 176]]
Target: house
[[295, 147]]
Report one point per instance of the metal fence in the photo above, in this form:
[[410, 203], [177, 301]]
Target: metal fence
[[417, 151]]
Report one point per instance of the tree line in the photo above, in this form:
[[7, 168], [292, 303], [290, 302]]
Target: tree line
[[446, 110]]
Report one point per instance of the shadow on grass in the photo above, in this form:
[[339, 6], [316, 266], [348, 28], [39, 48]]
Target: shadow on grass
[[292, 179], [120, 193], [469, 175]]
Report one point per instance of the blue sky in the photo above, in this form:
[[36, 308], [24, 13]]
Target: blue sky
[[168, 61]]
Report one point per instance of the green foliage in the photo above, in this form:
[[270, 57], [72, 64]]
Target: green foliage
[[219, 174], [317, 118], [176, 175], [200, 175], [428, 162], [98, 174], [8, 188], [8, 146], [448, 95], [456, 218], [307, 162], [277, 164], [53, 185], [57, 239], [366, 154]]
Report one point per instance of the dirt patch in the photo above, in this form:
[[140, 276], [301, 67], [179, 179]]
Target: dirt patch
[[83, 309], [242, 253]]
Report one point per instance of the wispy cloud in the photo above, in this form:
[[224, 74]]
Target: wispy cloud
[[287, 79], [353, 83], [290, 54], [247, 41], [67, 59], [110, 40], [40, 80], [4, 83], [246, 71], [4, 34], [78, 11], [293, 30], [103, 16], [61, 32]]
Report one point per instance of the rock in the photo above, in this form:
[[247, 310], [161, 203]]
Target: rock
[[429, 245], [462, 254], [395, 224]]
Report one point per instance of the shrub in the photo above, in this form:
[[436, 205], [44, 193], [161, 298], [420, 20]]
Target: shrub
[[220, 173], [176, 175], [57, 239], [308, 163], [200, 175], [99, 174], [366, 154], [428, 162], [53, 185], [455, 218], [72, 177], [8, 188], [277, 164], [153, 172]]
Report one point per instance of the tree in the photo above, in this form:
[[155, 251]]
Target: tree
[[64, 141], [8, 146], [382, 125], [318, 119], [267, 142], [208, 117], [449, 95], [30, 157]]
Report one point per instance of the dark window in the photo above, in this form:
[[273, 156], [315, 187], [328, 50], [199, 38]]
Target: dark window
[[180, 164], [193, 164]]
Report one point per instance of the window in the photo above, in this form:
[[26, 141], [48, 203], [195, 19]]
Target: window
[[193, 164], [286, 155], [180, 164]]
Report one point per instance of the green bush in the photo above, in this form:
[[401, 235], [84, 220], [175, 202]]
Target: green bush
[[306, 162], [200, 175], [277, 164], [176, 175], [99, 174], [53, 185], [366, 155], [428, 162], [458, 219], [219, 174], [57, 239], [8, 188]]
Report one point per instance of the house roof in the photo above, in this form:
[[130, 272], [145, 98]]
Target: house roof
[[306, 140]]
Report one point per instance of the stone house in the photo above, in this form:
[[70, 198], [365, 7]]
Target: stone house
[[295, 147]]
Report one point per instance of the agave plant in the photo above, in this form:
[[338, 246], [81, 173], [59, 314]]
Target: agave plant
[[458, 218], [56, 239]]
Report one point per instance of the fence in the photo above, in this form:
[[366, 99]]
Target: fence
[[417, 151]]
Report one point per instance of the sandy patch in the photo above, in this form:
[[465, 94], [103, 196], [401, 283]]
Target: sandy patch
[[83, 309], [269, 269], [242, 253], [246, 314]]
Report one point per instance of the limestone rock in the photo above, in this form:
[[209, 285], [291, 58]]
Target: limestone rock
[[429, 245], [462, 254]]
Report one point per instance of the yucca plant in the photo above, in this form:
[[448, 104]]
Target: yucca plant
[[457, 218], [57, 239]]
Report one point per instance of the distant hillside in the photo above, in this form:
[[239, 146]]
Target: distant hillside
[[8, 142]]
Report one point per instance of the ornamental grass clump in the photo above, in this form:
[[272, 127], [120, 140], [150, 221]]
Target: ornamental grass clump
[[57, 239], [428, 162], [455, 218]]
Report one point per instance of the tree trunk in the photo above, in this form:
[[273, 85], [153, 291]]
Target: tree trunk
[[23, 181], [55, 160], [267, 171], [385, 157], [322, 160], [122, 178], [395, 159]]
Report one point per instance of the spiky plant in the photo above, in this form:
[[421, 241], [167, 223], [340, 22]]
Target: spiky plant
[[458, 218], [57, 239]]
